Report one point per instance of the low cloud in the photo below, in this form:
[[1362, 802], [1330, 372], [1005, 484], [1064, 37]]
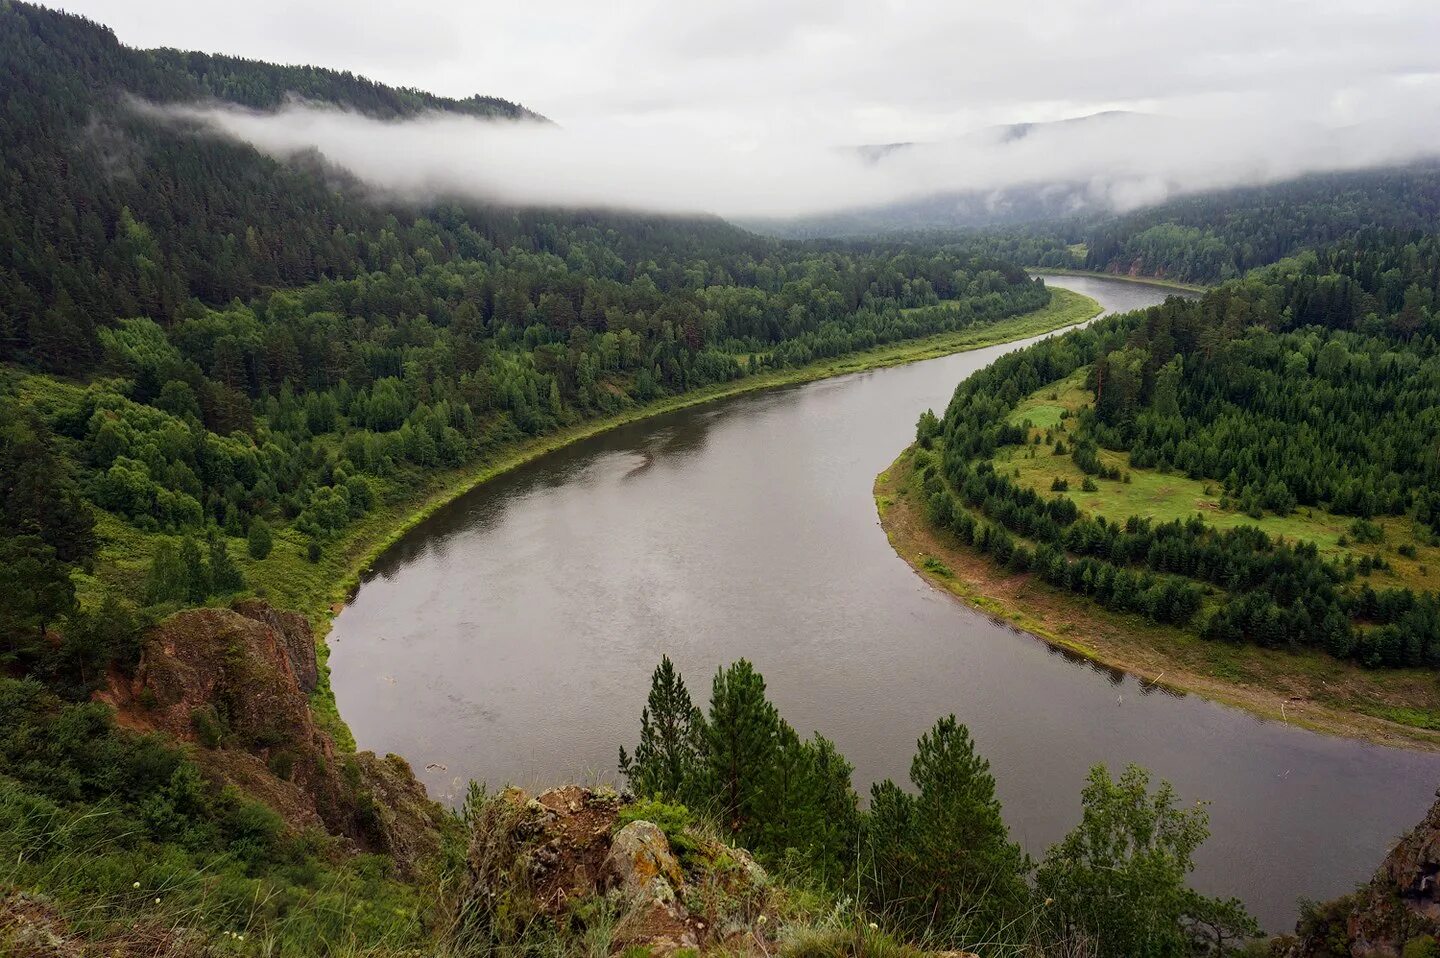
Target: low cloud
[[1120, 161]]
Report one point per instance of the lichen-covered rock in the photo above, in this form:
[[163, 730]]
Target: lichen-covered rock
[[229, 683], [660, 927], [298, 641], [641, 864]]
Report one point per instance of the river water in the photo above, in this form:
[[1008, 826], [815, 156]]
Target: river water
[[510, 638]]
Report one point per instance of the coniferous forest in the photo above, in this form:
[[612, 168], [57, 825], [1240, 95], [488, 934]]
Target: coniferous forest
[[1310, 383], [227, 378]]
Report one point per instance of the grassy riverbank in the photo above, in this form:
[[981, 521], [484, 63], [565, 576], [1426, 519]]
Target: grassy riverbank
[[1142, 280], [319, 589], [1392, 707]]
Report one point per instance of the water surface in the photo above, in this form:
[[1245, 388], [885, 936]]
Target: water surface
[[511, 637]]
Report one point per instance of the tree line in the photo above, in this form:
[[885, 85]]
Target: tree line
[[933, 860], [1312, 383]]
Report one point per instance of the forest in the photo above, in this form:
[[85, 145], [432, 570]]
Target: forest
[[1212, 237], [209, 347], [1310, 383], [213, 362]]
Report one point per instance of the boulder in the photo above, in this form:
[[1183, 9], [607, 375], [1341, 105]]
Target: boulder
[[641, 865]]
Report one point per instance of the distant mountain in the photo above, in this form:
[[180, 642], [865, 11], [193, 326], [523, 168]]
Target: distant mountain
[[1025, 203]]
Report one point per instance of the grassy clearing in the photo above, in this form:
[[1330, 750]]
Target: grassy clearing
[[1399, 707], [1066, 308], [1164, 496], [1144, 280]]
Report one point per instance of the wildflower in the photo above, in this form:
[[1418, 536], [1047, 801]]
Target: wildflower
[[157, 901], [762, 919], [1049, 901], [136, 885], [874, 927]]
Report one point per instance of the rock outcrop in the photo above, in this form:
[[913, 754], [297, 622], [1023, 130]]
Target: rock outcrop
[[1400, 905], [571, 847], [641, 865], [236, 683]]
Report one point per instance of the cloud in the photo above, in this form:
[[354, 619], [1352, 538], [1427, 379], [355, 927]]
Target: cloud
[[1122, 160], [834, 71]]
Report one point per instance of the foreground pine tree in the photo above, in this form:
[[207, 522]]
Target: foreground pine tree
[[740, 745], [942, 862], [667, 762]]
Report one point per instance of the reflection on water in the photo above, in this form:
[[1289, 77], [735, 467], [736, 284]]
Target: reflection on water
[[510, 637]]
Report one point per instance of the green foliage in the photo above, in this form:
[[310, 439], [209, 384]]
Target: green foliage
[[940, 861], [186, 576], [1307, 384], [790, 800], [740, 744], [1422, 946], [1118, 879], [674, 820], [104, 821], [258, 540], [667, 762]]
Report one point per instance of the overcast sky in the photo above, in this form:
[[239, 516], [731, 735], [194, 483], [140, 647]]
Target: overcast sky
[[835, 71]]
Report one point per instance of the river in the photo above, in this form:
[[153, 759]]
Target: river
[[510, 638]]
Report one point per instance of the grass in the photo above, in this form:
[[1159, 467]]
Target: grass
[[1146, 280], [1165, 496], [1399, 707]]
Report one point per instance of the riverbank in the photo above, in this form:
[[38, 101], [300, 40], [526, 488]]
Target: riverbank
[[1309, 690], [320, 590], [1142, 280]]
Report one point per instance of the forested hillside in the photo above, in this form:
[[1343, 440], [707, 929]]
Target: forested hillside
[[1309, 386], [1211, 237], [106, 214], [242, 345]]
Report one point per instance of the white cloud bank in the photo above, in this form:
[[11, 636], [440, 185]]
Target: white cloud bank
[[1123, 160]]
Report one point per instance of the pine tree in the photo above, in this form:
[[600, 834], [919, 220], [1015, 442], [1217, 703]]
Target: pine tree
[[787, 813], [667, 762], [740, 744], [947, 846]]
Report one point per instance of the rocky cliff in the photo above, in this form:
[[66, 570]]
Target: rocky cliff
[[235, 684], [1397, 914]]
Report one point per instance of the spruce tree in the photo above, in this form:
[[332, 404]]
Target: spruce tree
[[258, 539], [947, 846], [740, 744], [667, 762], [225, 576]]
